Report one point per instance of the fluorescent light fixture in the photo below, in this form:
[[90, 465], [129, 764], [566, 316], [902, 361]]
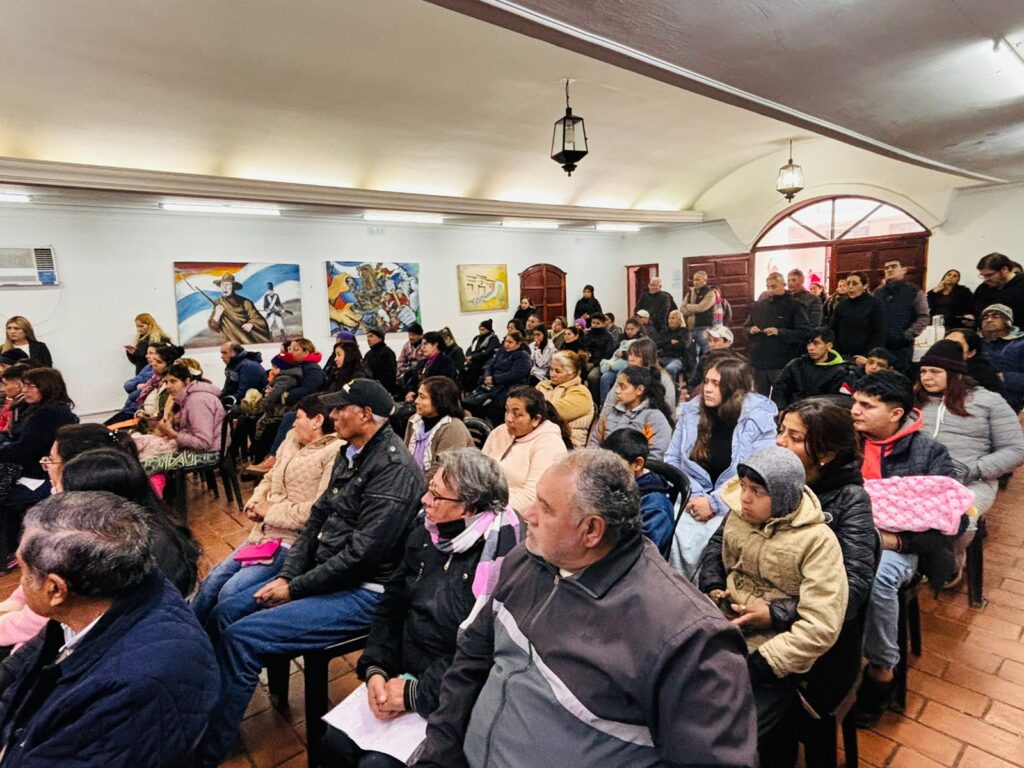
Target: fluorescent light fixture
[[529, 224], [14, 197], [616, 227], [404, 217], [245, 210]]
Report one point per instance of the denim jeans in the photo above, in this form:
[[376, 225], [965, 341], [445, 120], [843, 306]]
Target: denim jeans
[[245, 636], [881, 640], [229, 578], [673, 365], [607, 382]]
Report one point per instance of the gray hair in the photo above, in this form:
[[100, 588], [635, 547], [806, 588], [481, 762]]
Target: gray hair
[[476, 479], [380, 421], [605, 486], [99, 543], [776, 276]]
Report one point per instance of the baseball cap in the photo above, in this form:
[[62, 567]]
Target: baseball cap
[[366, 393], [1002, 309], [720, 332], [643, 313]]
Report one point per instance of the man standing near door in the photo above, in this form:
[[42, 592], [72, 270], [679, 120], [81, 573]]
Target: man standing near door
[[906, 312], [795, 288], [699, 309], [778, 330], [657, 302]]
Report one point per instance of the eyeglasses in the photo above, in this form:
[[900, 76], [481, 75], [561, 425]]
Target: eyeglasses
[[436, 497], [47, 462]]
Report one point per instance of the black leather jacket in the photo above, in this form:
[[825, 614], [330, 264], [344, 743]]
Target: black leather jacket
[[357, 529]]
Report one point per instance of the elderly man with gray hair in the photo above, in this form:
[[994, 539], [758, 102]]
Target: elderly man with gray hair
[[592, 651], [122, 675]]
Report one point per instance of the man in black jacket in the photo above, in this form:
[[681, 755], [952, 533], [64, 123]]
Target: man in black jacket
[[380, 360], [858, 321], [333, 576], [906, 312], [822, 371], [1000, 285], [657, 302], [778, 329], [795, 288], [540, 677], [600, 345]]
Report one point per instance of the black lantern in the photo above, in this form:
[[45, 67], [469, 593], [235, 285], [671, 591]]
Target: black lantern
[[791, 177], [569, 142]]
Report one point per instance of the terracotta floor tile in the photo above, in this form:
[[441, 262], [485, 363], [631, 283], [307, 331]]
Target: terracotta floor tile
[[991, 686], [972, 731], [976, 758], [269, 739], [931, 743], [907, 758], [874, 748], [1006, 717], [1013, 585], [950, 694]]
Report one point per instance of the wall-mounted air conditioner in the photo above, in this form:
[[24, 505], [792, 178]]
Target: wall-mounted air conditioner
[[27, 267]]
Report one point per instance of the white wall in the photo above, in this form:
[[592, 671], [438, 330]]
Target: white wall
[[114, 264]]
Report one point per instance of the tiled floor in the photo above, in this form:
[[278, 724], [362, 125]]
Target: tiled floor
[[965, 708]]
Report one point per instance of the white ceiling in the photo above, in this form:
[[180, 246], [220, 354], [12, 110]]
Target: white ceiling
[[396, 95]]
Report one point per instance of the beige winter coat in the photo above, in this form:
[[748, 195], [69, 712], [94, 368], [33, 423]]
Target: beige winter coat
[[792, 556], [574, 403], [300, 476]]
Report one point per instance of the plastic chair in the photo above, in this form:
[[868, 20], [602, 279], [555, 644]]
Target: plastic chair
[[225, 466], [479, 429], [315, 664]]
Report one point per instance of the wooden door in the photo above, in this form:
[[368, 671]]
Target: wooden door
[[544, 285], [733, 275], [869, 257], [638, 276]]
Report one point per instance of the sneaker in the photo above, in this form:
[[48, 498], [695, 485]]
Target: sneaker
[[263, 467], [873, 698]]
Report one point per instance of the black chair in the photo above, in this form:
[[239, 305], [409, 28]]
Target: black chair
[[225, 466], [677, 482], [314, 674], [478, 429], [976, 566], [909, 634]]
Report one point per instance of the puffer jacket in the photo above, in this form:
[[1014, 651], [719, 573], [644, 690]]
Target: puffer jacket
[[574, 404], [804, 378], [244, 372], [988, 442], [645, 419], [507, 369], [299, 477], [847, 510], [1007, 357], [794, 556], [356, 529], [200, 417], [540, 677], [313, 380]]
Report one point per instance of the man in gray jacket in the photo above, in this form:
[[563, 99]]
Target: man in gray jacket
[[592, 651]]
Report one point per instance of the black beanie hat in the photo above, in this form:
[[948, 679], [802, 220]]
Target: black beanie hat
[[947, 355], [488, 324]]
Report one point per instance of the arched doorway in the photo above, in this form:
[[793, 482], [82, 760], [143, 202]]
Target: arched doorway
[[828, 238], [544, 285]]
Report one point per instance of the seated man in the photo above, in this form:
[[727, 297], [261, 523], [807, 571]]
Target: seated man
[[122, 675], [878, 359], [822, 371], [656, 510], [776, 546], [333, 576], [243, 370], [894, 446], [1004, 346], [592, 652]]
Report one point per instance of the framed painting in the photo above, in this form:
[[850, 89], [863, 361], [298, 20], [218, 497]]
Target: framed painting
[[379, 293], [483, 287]]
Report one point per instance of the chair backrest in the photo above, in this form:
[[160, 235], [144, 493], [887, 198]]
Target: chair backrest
[[479, 429], [676, 480], [225, 438]]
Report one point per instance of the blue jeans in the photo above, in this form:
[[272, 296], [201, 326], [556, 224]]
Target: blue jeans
[[287, 422], [229, 578], [881, 638], [673, 365], [245, 636]]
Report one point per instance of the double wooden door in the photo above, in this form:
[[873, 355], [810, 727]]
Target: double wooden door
[[869, 257], [544, 286], [733, 275]]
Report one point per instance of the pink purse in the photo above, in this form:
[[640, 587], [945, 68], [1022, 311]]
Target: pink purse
[[264, 551]]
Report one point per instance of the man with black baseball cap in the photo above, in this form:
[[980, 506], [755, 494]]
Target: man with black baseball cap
[[334, 573]]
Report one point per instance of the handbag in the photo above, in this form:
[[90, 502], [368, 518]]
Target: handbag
[[264, 551]]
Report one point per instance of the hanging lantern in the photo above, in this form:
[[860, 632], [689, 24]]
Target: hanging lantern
[[791, 177], [569, 142]]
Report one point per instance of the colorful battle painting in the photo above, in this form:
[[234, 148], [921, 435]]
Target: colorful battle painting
[[383, 294], [243, 302], [483, 287]]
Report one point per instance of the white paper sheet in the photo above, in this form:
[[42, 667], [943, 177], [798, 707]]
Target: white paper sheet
[[398, 738], [30, 482]]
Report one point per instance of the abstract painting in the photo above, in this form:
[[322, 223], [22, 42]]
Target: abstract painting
[[384, 294], [244, 302], [483, 287]]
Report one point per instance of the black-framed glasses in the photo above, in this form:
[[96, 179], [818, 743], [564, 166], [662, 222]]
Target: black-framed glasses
[[436, 497]]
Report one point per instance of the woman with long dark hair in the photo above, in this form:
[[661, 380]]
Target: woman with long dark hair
[[950, 299], [644, 353], [437, 425], [727, 423], [348, 365], [641, 406]]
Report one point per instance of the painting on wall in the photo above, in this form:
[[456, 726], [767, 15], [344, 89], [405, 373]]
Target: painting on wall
[[384, 294], [244, 302], [483, 287]]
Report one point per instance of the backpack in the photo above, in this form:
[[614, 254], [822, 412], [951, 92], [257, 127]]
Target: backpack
[[723, 310]]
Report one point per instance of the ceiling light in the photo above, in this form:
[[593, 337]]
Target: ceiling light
[[220, 208], [404, 217], [611, 227], [791, 177], [14, 197], [569, 141], [528, 224]]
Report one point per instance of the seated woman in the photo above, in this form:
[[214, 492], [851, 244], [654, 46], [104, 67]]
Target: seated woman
[[437, 425], [451, 564], [454, 351], [148, 333], [531, 439], [725, 425], [558, 326], [977, 426], [641, 406], [21, 335], [777, 546], [676, 348], [479, 352], [510, 367], [433, 362], [571, 397], [10, 382], [979, 367], [609, 369], [541, 352], [279, 506], [348, 365], [644, 353], [153, 399], [192, 436], [573, 339]]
